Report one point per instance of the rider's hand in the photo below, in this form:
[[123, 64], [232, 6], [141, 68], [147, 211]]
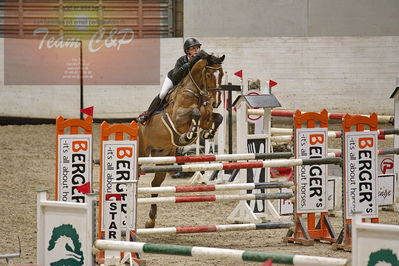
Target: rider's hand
[[194, 60], [187, 65]]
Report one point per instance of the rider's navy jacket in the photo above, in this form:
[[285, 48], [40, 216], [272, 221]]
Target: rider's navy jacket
[[181, 69]]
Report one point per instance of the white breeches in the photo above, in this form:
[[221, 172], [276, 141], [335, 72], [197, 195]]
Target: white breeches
[[167, 85]]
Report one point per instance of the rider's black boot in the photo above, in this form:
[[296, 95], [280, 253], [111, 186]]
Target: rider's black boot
[[155, 104]]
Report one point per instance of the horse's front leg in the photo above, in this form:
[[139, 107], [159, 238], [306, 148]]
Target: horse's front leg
[[217, 119], [156, 182], [191, 134]]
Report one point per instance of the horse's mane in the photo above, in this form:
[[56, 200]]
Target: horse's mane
[[210, 58]]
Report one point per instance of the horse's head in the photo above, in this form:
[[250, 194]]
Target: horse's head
[[211, 75]]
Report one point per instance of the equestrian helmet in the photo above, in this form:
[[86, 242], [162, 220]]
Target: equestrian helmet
[[190, 42]]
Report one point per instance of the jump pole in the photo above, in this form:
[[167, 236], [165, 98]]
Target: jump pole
[[216, 253], [212, 228], [238, 165], [334, 134], [214, 158], [209, 198], [220, 187], [289, 138], [331, 116]]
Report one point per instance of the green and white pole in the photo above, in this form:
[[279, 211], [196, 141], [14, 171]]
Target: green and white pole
[[216, 253]]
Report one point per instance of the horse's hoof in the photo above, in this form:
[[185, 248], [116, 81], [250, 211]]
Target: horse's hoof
[[208, 136], [150, 224]]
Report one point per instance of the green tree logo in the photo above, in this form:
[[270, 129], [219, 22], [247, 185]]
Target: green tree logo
[[383, 255], [64, 247]]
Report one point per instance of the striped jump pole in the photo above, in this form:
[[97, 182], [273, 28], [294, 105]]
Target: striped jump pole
[[238, 165], [331, 116], [212, 228], [333, 134], [289, 131], [380, 152], [222, 187], [213, 158], [209, 198], [215, 253]]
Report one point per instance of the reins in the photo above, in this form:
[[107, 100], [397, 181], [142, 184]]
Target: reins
[[203, 92]]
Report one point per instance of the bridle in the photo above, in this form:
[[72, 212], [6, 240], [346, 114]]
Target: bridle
[[204, 96]]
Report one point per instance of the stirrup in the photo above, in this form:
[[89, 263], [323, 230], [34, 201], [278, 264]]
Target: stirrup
[[143, 118]]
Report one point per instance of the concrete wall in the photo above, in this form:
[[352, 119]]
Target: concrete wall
[[290, 18], [342, 74]]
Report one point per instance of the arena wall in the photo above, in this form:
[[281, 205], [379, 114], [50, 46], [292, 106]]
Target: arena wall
[[342, 74], [290, 18]]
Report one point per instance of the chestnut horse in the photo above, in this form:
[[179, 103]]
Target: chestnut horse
[[189, 106]]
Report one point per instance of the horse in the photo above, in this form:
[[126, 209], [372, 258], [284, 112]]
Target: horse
[[189, 107]]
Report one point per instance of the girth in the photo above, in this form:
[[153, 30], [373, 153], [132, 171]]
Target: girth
[[174, 134]]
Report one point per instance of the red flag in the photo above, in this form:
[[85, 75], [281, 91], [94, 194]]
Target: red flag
[[88, 111], [239, 74], [113, 195], [85, 188], [269, 262], [272, 83]]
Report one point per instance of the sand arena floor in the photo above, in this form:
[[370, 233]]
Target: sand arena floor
[[27, 164]]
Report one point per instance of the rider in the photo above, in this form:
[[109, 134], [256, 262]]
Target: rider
[[192, 47]]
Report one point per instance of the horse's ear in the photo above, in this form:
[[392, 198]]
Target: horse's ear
[[221, 59]]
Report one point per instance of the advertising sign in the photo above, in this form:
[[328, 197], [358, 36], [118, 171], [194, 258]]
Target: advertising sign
[[311, 179], [119, 164], [360, 151], [74, 167]]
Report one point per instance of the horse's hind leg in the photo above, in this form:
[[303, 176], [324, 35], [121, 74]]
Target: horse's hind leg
[[156, 182], [210, 133]]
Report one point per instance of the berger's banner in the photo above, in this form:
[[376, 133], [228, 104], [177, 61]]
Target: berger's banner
[[74, 166], [90, 42], [311, 179], [360, 151], [119, 164]]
